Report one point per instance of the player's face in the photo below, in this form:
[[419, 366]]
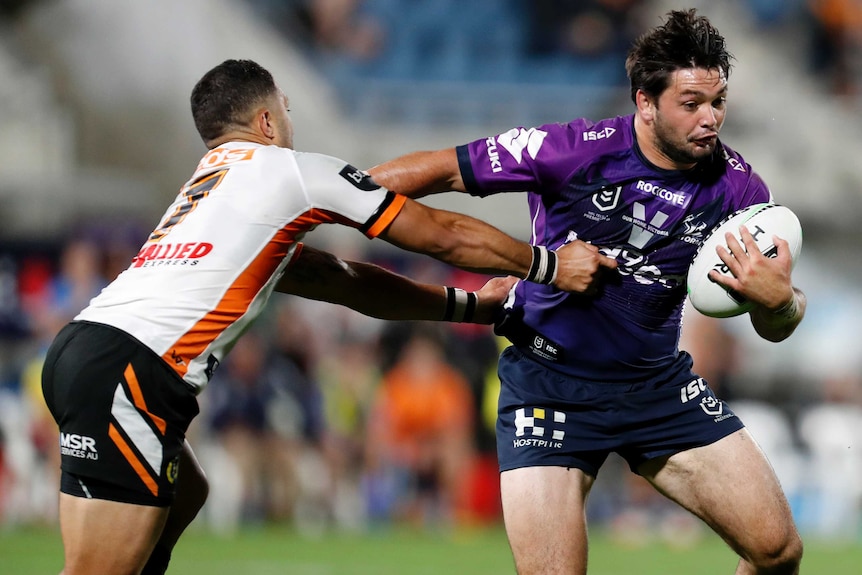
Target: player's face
[[689, 114], [283, 123]]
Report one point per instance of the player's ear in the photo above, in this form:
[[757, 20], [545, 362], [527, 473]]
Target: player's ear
[[645, 105], [266, 123]]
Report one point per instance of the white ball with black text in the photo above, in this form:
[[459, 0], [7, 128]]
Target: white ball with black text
[[763, 222]]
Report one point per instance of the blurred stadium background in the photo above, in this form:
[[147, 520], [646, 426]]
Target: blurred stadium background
[[306, 427]]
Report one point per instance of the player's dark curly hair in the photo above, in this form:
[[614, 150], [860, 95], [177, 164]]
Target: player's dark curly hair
[[227, 95], [685, 40]]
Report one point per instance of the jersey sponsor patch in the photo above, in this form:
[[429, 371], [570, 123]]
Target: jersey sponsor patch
[[672, 197], [545, 348], [516, 140], [80, 446], [359, 178]]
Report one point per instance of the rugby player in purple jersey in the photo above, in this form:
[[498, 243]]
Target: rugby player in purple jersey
[[600, 371]]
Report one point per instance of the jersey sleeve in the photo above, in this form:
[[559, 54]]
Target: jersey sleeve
[[537, 159], [348, 194], [752, 188]]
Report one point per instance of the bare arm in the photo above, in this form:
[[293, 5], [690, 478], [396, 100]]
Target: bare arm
[[456, 239], [765, 281], [466, 242], [778, 324], [377, 292], [459, 240], [420, 174], [474, 245]]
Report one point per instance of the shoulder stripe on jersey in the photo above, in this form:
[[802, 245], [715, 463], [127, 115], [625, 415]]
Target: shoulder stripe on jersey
[[384, 215], [314, 217], [295, 255]]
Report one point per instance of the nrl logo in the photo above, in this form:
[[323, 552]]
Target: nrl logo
[[607, 198], [711, 406]]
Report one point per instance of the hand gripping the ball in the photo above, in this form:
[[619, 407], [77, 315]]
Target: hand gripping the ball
[[765, 281], [760, 279], [708, 291]]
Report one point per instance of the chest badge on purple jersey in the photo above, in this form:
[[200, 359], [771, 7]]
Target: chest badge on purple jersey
[[607, 198]]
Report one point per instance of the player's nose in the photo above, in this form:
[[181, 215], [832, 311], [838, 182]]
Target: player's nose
[[708, 117]]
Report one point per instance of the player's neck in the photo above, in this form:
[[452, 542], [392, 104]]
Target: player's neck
[[646, 141], [243, 135]]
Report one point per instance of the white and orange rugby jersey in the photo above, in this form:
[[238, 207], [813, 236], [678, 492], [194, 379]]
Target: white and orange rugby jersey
[[208, 269]]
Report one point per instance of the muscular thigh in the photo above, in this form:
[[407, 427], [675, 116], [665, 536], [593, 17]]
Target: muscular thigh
[[104, 537], [543, 509], [730, 485]]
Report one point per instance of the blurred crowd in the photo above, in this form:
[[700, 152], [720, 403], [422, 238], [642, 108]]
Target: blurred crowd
[[369, 32], [325, 419]]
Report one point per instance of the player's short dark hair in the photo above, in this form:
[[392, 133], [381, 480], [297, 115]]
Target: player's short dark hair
[[685, 40], [227, 94]]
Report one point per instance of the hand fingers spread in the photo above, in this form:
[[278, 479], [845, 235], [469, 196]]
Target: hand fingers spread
[[733, 244], [748, 240]]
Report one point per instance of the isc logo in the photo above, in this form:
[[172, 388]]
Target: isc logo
[[599, 134], [694, 388]]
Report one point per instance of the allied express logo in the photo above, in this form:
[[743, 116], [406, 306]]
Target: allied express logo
[[168, 251]]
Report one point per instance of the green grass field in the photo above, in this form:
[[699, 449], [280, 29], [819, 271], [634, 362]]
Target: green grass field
[[483, 552]]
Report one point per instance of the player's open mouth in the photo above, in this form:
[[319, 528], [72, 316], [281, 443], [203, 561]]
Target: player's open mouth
[[706, 142]]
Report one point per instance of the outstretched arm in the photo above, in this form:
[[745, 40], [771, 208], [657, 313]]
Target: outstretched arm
[[377, 292], [474, 245], [765, 281], [470, 243], [420, 174]]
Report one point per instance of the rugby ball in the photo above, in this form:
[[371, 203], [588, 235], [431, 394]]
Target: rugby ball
[[763, 221]]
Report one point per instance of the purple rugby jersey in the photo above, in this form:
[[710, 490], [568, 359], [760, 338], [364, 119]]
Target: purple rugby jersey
[[590, 181]]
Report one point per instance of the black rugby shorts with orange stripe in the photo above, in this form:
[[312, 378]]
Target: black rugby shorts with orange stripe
[[122, 413]]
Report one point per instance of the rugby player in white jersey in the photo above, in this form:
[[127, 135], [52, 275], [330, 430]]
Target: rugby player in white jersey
[[122, 378]]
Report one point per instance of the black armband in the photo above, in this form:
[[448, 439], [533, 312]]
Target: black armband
[[460, 305], [543, 270]]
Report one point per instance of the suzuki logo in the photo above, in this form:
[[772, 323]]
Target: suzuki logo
[[516, 140]]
